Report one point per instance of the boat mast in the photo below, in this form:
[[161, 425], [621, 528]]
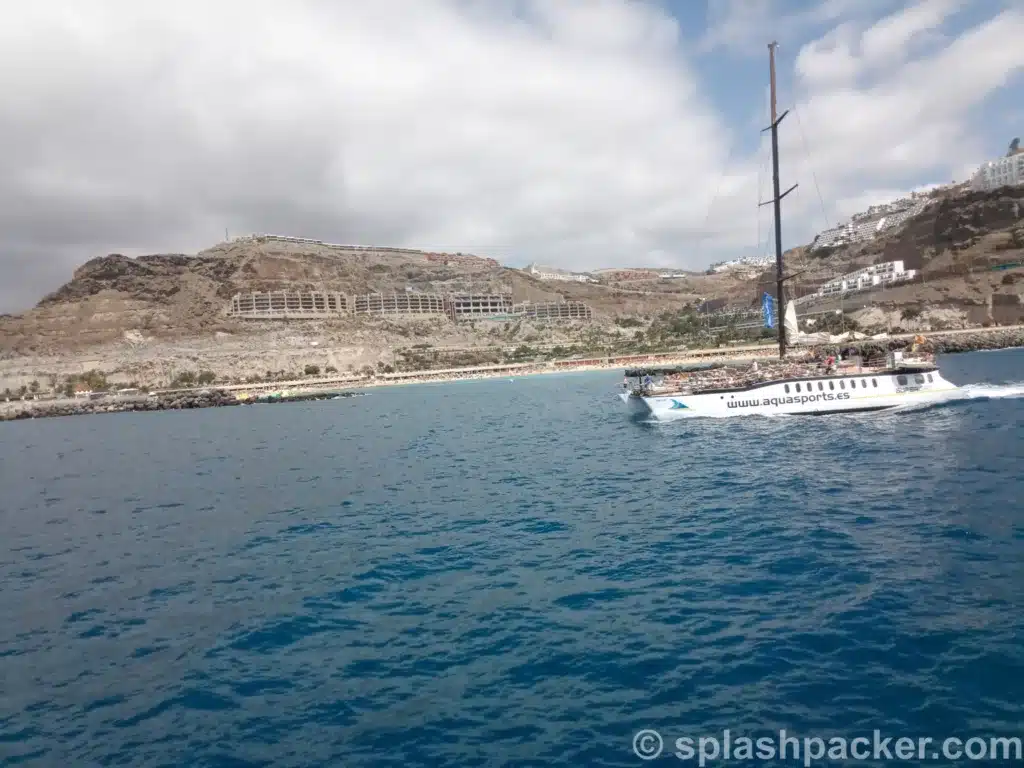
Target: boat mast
[[777, 201]]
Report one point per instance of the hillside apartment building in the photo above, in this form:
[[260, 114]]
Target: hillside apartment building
[[1005, 172], [867, 277]]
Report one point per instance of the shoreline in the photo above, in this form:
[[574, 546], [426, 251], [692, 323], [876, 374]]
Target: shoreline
[[941, 342]]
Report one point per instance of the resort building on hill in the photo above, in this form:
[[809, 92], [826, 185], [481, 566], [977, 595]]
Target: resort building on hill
[[548, 273], [287, 305], [877, 219], [749, 263], [1005, 172], [868, 277]]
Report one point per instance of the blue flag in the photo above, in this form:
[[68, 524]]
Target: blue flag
[[768, 308]]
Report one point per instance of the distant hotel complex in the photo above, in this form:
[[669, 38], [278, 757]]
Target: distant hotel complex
[[548, 273], [868, 225], [868, 277], [1005, 172], [285, 305], [753, 263]]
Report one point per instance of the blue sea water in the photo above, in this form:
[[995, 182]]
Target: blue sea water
[[496, 573]]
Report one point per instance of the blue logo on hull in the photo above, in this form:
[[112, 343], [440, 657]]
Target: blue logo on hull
[[677, 405]]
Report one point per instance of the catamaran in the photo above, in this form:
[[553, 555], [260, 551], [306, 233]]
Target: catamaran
[[797, 385]]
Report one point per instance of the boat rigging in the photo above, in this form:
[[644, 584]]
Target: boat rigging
[[796, 386]]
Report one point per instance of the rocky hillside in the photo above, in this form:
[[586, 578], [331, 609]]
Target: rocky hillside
[[954, 243], [174, 296], [952, 236]]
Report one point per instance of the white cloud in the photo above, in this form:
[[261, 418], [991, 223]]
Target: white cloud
[[570, 132], [574, 133], [871, 128], [745, 26], [889, 41]]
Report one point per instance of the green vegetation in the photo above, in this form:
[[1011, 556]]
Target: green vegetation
[[629, 322], [311, 370], [92, 381], [833, 323]]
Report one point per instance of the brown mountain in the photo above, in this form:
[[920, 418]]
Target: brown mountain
[[174, 296], [173, 306]]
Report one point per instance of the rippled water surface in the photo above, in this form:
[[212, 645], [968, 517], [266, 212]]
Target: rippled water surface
[[495, 573]]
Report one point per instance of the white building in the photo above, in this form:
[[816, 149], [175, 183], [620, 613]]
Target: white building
[[749, 262], [866, 226], [546, 273], [868, 277], [1004, 172]]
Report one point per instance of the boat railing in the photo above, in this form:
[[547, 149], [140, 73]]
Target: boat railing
[[695, 383]]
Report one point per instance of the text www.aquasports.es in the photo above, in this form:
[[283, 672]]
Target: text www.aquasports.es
[[788, 400]]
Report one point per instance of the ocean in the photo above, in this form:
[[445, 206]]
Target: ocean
[[511, 573]]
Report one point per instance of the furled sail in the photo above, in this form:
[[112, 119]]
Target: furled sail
[[792, 331]]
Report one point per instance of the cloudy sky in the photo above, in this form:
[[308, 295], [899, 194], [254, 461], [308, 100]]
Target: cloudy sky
[[579, 133]]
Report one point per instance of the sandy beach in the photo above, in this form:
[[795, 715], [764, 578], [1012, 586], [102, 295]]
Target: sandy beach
[[949, 341]]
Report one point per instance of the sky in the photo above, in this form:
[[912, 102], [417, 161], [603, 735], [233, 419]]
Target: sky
[[579, 134]]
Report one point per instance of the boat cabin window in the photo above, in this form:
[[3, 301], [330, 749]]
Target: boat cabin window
[[797, 387], [787, 389], [901, 380], [821, 386], [831, 385], [930, 377], [918, 378], [874, 382], [842, 384]]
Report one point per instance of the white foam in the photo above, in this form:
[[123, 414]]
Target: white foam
[[967, 393], [991, 391]]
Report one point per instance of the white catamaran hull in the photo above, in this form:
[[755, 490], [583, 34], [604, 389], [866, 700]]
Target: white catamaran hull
[[847, 393]]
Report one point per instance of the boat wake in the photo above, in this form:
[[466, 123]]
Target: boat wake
[[991, 391], [968, 393]]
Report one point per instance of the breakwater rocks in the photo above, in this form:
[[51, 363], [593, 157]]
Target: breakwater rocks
[[303, 397], [174, 401], [971, 342], [36, 409], [946, 343]]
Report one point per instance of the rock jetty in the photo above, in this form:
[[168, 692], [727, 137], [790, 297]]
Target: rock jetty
[[171, 401], [996, 338], [35, 409], [942, 343]]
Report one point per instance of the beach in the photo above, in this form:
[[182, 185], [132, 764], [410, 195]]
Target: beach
[[328, 387]]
